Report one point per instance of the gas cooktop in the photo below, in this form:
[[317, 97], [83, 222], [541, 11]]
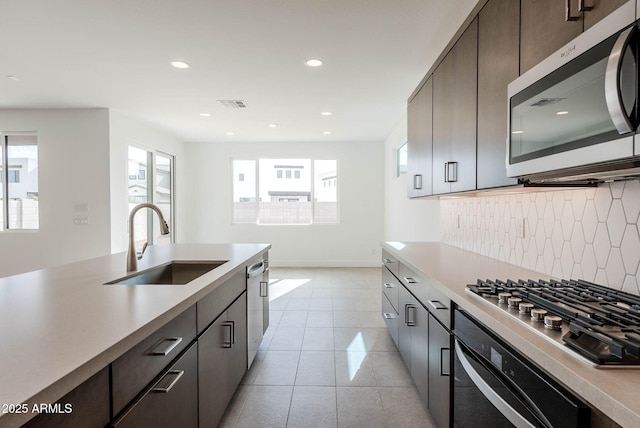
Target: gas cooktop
[[599, 323]]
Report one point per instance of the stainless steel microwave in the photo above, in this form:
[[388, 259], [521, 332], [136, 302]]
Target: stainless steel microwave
[[574, 116]]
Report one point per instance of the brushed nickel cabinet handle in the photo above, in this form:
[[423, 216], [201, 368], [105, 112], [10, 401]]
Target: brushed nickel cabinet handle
[[177, 373], [388, 261], [387, 316], [442, 361], [264, 289], [568, 16], [417, 181], [410, 280], [436, 304], [408, 319], [227, 343], [583, 8], [387, 285], [166, 346]]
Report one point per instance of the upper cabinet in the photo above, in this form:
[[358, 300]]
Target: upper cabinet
[[547, 25], [420, 141], [498, 61], [454, 116]]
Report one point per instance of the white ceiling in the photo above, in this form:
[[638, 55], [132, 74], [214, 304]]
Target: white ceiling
[[116, 54]]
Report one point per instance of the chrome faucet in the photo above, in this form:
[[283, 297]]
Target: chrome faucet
[[133, 256]]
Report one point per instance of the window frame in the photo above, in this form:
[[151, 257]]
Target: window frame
[[256, 201]]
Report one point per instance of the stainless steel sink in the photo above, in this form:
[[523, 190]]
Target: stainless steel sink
[[173, 273]]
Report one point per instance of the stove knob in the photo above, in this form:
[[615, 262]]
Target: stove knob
[[502, 297], [553, 322], [514, 301], [525, 308], [538, 314]]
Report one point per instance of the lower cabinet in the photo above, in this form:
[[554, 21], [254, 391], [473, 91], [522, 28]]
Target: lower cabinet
[[413, 338], [440, 346], [170, 402], [222, 361], [423, 341]]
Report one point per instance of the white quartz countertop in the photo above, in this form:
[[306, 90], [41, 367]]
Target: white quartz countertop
[[613, 391], [62, 325]]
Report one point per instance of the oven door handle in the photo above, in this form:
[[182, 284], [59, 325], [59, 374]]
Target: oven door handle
[[505, 408], [612, 90]]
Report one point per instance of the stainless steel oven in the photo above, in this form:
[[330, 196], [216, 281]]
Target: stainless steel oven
[[495, 387], [575, 115]]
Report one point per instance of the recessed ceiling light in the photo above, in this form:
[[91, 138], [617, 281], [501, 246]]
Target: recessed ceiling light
[[272, 125], [517, 132], [326, 113], [560, 113], [205, 114], [314, 63], [327, 132], [14, 78], [231, 133], [179, 64]]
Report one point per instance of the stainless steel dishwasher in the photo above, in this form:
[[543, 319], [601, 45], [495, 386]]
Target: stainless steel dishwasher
[[257, 304]]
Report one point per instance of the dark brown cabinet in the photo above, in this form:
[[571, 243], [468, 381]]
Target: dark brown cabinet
[[222, 361], [85, 406], [454, 116], [439, 372], [498, 65], [420, 142], [170, 402], [545, 28]]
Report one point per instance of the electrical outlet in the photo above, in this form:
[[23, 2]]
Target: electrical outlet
[[520, 227], [80, 220]]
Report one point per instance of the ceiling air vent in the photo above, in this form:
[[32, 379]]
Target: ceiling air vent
[[233, 103]]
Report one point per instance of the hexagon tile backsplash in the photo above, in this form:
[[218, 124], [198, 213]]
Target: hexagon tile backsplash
[[589, 234]]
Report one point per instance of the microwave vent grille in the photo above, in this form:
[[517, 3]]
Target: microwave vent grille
[[542, 102]]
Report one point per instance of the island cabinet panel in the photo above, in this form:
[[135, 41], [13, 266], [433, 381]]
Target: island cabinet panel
[[86, 406], [420, 142], [455, 114], [133, 371], [498, 65], [222, 361], [172, 401], [214, 303]]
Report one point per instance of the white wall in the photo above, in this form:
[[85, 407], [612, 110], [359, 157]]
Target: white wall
[[353, 242], [73, 150], [125, 131], [405, 219]]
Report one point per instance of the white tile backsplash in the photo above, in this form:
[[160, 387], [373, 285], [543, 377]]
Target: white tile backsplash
[[589, 234]]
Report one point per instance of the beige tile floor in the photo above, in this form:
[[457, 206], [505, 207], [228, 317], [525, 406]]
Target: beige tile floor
[[326, 359]]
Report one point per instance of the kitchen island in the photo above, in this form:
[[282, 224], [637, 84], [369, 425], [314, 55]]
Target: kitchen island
[[63, 325], [613, 392]]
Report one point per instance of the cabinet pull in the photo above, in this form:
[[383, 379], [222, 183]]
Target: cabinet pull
[[442, 361], [436, 304], [167, 345], [177, 373], [387, 316], [450, 172], [568, 16], [410, 280], [388, 261], [256, 269], [583, 8], [264, 289], [387, 285], [408, 319], [227, 343], [417, 181]]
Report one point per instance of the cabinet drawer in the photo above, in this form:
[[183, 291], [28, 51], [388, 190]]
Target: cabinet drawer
[[390, 287], [213, 304], [138, 367], [436, 302], [172, 401], [87, 406], [390, 262], [390, 316]]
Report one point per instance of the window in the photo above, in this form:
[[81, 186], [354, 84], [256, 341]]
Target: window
[[401, 160], [151, 180], [306, 199], [19, 178]]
